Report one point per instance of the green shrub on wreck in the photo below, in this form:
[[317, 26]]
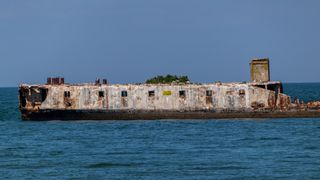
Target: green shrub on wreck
[[168, 79]]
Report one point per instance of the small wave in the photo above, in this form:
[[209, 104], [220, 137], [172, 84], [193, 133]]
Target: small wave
[[271, 139], [311, 148], [221, 168], [112, 165]]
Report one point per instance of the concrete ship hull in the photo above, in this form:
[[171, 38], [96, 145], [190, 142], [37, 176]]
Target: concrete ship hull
[[260, 98], [152, 115]]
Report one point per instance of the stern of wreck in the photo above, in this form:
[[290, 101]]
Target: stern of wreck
[[260, 78]]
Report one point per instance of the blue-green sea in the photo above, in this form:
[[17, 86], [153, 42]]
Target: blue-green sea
[[161, 149]]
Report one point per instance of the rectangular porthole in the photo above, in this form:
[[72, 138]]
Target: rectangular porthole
[[101, 94], [209, 93], [151, 93], [67, 94], [182, 94], [242, 92], [124, 94]]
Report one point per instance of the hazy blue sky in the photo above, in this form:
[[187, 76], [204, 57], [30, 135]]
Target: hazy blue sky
[[131, 40]]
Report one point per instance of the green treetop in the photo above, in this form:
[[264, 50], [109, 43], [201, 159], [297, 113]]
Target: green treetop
[[168, 79]]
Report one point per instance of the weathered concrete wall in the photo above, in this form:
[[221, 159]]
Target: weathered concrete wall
[[81, 97], [217, 96]]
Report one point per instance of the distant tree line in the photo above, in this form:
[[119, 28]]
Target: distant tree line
[[168, 79]]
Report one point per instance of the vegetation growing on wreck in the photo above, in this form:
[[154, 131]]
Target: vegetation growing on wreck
[[168, 79]]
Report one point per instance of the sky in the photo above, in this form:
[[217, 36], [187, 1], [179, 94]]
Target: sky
[[129, 41]]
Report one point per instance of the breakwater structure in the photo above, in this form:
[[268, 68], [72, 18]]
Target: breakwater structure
[[259, 98]]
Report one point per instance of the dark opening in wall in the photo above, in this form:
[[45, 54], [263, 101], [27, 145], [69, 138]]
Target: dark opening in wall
[[44, 94], [272, 87], [275, 87], [23, 101], [151, 93], [124, 94], [101, 94], [242, 92], [209, 93], [260, 86], [67, 94], [67, 101], [182, 94]]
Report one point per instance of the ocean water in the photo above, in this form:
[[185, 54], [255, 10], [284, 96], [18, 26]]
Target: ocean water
[[162, 149]]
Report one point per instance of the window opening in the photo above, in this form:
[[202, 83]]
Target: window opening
[[151, 93], [182, 94], [124, 94], [208, 93], [101, 94], [67, 94]]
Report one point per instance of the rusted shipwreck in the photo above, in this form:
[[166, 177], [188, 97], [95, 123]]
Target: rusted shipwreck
[[259, 98]]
